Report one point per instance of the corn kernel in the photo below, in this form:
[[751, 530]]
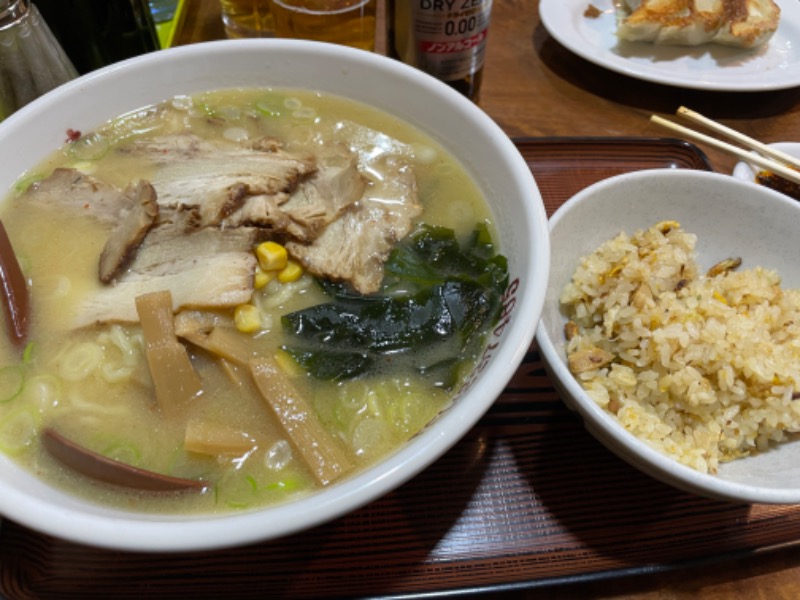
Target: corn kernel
[[271, 256], [291, 272], [247, 318], [263, 277]]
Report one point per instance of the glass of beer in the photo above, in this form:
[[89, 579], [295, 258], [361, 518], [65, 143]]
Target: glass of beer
[[247, 18], [346, 22]]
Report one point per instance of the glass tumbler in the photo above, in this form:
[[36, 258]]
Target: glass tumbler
[[31, 60], [247, 18], [346, 22]]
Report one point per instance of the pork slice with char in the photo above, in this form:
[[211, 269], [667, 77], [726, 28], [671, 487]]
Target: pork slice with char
[[317, 201], [164, 248], [208, 269], [74, 190], [216, 179], [215, 201], [354, 247], [130, 231]]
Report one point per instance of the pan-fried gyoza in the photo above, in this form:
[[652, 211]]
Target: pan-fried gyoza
[[740, 23]]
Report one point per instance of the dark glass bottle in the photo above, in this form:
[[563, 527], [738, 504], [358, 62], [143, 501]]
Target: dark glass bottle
[[96, 33], [445, 39]]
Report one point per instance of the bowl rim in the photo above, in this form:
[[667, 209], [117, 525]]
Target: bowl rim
[[604, 426], [86, 523]]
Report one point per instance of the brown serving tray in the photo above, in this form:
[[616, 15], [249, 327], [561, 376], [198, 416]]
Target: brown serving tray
[[527, 499]]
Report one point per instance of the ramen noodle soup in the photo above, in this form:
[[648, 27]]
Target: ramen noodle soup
[[253, 292]]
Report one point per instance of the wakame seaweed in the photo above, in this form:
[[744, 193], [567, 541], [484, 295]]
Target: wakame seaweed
[[438, 298]]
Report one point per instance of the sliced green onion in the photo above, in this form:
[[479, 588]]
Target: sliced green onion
[[89, 147], [27, 353], [24, 183], [305, 113], [292, 103], [204, 108], [124, 452], [18, 430], [270, 106], [195, 466], [12, 380], [285, 485]]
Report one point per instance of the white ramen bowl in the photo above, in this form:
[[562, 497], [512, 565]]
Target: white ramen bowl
[[463, 129], [730, 218]]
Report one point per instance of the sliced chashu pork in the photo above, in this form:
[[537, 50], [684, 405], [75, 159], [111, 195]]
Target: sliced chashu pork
[[76, 191], [744, 23], [355, 247], [216, 180], [210, 269], [263, 185], [207, 268], [337, 224], [129, 232], [334, 223], [316, 202]]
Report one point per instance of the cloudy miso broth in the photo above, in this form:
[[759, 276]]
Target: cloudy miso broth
[[323, 262]]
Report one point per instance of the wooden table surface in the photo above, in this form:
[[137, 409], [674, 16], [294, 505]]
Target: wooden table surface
[[535, 87]]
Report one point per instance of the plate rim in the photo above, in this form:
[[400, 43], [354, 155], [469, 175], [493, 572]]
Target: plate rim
[[551, 13]]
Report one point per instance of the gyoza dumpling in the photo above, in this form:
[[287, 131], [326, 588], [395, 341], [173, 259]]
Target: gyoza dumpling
[[745, 23]]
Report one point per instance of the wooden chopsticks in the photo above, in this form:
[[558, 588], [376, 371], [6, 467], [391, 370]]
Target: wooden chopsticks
[[754, 152]]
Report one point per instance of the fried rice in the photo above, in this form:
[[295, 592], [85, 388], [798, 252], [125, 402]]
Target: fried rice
[[702, 365]]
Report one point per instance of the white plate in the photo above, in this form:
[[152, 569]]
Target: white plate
[[774, 66]]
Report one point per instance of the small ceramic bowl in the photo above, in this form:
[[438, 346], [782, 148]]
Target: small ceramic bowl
[[730, 218]]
